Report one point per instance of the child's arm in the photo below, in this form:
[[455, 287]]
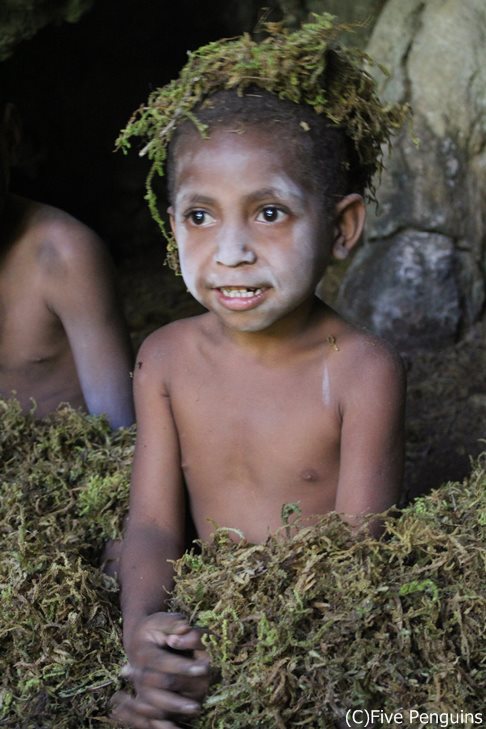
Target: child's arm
[[79, 289], [167, 683], [371, 462]]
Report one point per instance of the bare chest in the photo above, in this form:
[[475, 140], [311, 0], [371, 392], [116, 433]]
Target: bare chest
[[259, 428]]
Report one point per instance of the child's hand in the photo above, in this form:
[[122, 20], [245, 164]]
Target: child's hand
[[167, 683]]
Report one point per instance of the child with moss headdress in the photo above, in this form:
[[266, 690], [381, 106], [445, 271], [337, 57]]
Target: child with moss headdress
[[270, 397]]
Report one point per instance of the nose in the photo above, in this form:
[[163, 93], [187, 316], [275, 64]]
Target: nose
[[233, 247]]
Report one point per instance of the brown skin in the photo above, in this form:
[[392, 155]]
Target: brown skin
[[260, 402], [62, 335]]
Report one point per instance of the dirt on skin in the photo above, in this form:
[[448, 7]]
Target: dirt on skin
[[446, 401]]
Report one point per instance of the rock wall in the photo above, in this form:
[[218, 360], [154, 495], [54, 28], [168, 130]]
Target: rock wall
[[420, 278], [363, 13]]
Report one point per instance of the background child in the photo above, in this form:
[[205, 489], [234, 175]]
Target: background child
[[270, 397], [62, 334]]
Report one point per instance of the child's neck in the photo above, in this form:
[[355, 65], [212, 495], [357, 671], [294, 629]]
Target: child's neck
[[288, 337]]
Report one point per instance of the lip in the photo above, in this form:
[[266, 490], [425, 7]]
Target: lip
[[240, 303]]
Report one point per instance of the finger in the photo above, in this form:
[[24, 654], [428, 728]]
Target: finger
[[191, 687], [136, 722], [169, 702], [137, 714], [153, 704], [187, 641], [202, 655], [164, 661], [160, 625], [132, 712]]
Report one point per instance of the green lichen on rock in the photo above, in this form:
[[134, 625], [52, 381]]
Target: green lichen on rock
[[63, 493], [307, 66], [302, 630]]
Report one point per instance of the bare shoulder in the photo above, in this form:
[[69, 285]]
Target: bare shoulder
[[169, 347], [374, 352], [63, 242], [362, 358], [371, 365]]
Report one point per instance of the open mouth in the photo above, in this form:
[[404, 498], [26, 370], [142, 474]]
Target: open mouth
[[240, 292]]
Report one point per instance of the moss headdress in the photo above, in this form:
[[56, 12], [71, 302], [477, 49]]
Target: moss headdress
[[305, 67]]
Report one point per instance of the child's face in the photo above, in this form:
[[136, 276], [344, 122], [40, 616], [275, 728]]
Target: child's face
[[253, 239]]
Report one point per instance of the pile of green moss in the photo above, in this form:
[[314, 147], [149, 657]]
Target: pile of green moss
[[304, 629], [63, 492]]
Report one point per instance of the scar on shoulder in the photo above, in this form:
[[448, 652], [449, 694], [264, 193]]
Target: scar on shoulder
[[332, 341]]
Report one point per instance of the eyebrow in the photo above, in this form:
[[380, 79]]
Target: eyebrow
[[262, 194], [266, 192], [196, 199]]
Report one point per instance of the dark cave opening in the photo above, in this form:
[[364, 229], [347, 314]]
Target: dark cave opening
[[76, 85]]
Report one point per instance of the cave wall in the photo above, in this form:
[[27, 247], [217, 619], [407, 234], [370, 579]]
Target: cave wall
[[363, 14], [76, 84], [22, 19], [419, 280]]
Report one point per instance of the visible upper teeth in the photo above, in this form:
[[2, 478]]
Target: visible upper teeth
[[241, 293]]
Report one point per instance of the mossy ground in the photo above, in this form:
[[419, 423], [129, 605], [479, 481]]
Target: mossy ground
[[302, 628], [63, 492]]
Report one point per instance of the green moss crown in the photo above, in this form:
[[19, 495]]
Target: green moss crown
[[305, 67]]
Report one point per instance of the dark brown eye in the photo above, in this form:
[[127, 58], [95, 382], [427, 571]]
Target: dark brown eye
[[198, 217], [270, 214]]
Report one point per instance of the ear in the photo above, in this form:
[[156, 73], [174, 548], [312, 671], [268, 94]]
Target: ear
[[170, 213], [350, 215]]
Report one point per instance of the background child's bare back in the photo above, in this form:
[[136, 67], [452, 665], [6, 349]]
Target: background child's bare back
[[62, 338], [35, 357]]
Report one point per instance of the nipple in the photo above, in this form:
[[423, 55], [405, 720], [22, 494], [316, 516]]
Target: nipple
[[310, 475]]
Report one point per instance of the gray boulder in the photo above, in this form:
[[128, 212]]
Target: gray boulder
[[420, 278]]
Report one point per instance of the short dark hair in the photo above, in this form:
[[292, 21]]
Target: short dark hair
[[326, 159]]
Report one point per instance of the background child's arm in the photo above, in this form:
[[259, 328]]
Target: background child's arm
[[167, 682], [79, 289], [371, 460]]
